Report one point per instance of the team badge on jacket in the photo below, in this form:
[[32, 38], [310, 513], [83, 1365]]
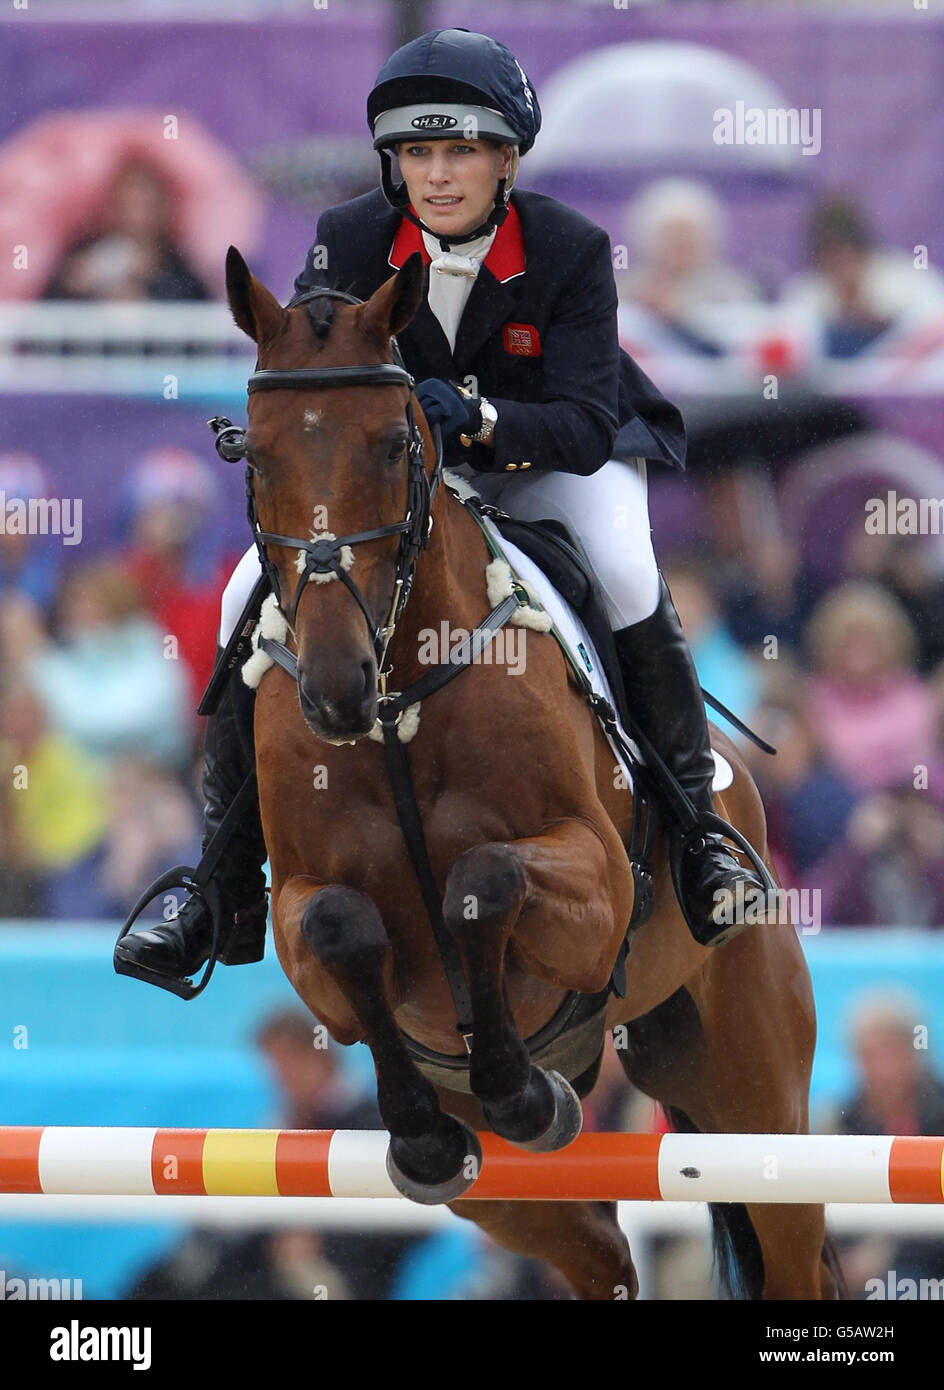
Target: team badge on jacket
[[521, 339]]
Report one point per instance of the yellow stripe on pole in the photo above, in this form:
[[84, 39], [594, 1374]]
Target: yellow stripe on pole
[[240, 1163]]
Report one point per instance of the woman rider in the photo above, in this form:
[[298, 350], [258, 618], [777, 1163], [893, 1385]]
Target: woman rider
[[521, 306]]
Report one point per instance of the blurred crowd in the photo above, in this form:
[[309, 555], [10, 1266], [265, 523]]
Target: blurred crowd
[[845, 679], [678, 290], [680, 293], [102, 664]]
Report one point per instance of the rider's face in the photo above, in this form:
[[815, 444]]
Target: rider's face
[[451, 183]]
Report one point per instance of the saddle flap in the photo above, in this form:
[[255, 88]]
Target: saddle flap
[[557, 553]]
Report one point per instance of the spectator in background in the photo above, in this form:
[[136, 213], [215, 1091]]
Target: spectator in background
[[876, 718], [856, 291], [29, 565], [723, 667], [888, 871], [678, 278], [313, 1092], [807, 801], [152, 822], [763, 592], [908, 566], [54, 806], [896, 1091], [273, 1266], [105, 682], [131, 254], [288, 1264], [177, 559]]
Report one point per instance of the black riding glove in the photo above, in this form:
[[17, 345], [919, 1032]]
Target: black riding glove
[[444, 405]]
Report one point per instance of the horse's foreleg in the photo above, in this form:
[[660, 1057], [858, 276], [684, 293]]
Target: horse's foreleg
[[490, 891], [582, 1240], [433, 1157]]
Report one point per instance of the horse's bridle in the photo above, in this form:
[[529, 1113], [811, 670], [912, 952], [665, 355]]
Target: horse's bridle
[[324, 556]]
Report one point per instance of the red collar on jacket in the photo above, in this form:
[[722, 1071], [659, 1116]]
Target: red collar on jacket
[[505, 258]]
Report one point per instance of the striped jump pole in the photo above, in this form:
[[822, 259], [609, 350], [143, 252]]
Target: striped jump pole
[[597, 1167]]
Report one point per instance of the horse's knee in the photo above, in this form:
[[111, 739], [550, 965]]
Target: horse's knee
[[340, 924], [487, 883]]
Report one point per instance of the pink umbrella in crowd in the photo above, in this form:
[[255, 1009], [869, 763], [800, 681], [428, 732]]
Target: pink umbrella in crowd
[[58, 173]]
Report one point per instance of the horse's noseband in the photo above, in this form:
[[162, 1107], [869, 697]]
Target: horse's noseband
[[323, 556]]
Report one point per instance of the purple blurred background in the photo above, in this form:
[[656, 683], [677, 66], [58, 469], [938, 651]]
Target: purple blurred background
[[254, 85], [263, 88]]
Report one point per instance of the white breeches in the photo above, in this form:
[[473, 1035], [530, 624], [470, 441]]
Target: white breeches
[[608, 511]]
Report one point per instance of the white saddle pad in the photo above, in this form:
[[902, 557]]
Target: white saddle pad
[[575, 635]]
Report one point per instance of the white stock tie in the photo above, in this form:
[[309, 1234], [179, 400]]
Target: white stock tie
[[451, 277]]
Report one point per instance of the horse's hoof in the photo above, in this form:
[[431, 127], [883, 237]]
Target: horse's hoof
[[567, 1121], [434, 1194]]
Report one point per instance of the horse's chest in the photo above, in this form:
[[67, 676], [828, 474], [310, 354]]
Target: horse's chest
[[343, 822]]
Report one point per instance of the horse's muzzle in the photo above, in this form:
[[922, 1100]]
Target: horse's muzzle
[[337, 708]]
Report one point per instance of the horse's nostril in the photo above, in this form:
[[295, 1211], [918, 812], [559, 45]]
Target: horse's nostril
[[347, 709]]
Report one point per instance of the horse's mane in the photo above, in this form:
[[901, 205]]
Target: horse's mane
[[321, 312], [321, 316]]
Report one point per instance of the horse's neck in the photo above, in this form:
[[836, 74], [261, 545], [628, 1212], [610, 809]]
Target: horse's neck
[[449, 587]]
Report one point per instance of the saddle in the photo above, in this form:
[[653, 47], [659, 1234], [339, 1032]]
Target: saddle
[[560, 556]]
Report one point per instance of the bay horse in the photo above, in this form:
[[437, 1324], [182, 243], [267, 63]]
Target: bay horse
[[524, 825]]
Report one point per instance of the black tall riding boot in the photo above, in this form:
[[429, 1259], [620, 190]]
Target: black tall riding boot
[[664, 695], [180, 946]]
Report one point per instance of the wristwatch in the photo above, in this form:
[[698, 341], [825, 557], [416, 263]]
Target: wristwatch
[[489, 416]]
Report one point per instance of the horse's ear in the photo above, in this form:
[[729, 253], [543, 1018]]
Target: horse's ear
[[255, 309], [392, 307]]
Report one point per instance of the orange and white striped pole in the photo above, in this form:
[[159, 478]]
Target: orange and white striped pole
[[596, 1167]]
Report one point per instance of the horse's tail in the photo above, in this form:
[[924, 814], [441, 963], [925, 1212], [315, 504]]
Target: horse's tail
[[832, 1263], [738, 1258]]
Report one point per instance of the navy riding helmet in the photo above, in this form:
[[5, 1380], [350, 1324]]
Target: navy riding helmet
[[447, 84]]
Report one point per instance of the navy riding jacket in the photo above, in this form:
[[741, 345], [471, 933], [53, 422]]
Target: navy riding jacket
[[538, 334]]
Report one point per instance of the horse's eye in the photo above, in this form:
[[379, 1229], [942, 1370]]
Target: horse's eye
[[396, 451]]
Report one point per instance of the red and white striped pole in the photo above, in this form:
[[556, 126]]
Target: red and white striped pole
[[596, 1167]]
